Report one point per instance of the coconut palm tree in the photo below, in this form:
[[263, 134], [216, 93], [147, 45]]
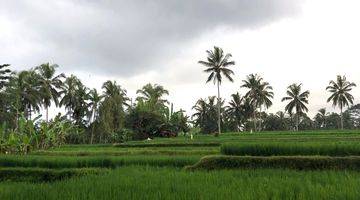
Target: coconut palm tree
[[260, 93], [235, 111], [297, 101], [113, 90], [4, 75], [95, 99], [320, 117], [217, 65], [340, 94], [49, 85], [69, 90], [153, 94]]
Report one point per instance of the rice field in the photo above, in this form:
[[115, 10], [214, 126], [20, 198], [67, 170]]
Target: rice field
[[267, 165]]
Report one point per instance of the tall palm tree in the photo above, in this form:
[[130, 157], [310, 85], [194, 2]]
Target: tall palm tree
[[4, 75], [217, 65], [95, 99], [297, 101], [49, 84], [153, 94], [260, 93], [341, 96]]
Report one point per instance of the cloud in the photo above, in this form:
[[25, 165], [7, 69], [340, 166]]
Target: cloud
[[127, 37]]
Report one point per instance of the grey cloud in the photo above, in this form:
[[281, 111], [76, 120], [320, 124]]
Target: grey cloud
[[130, 36]]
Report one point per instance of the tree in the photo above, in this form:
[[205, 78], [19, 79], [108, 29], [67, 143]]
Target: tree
[[217, 65], [111, 109], [259, 92], [69, 90], [95, 99], [205, 114], [24, 94], [320, 118], [340, 94], [238, 111], [153, 94], [297, 101], [4, 75]]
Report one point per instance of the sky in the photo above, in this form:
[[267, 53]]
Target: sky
[[136, 42]]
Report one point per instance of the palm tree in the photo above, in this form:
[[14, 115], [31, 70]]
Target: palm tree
[[260, 93], [297, 100], [341, 94], [153, 94], [70, 87], [95, 99], [113, 90], [235, 110], [217, 65], [49, 85], [320, 117], [4, 75]]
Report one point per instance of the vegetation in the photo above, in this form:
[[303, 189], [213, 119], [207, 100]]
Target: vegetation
[[292, 148], [340, 94], [217, 65], [284, 162], [169, 183]]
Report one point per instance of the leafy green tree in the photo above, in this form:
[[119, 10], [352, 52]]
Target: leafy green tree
[[49, 85], [217, 64], [260, 93], [238, 112], [340, 94], [297, 100]]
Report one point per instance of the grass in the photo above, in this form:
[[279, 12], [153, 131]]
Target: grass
[[44, 175], [154, 169], [58, 162], [283, 162], [169, 183], [292, 148]]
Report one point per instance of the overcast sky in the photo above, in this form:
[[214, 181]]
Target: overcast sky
[[139, 41]]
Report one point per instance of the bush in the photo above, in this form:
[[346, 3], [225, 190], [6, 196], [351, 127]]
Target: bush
[[292, 148], [288, 162]]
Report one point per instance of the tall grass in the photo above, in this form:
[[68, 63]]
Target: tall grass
[[292, 148], [44, 175], [168, 183], [58, 162], [273, 162]]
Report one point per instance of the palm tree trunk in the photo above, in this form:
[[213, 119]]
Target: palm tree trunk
[[47, 114], [341, 118], [92, 128], [218, 105], [254, 121], [297, 122]]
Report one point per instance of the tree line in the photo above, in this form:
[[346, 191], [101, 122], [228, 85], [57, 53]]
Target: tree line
[[247, 112], [109, 116], [91, 116]]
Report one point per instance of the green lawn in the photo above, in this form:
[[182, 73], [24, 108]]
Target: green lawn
[[156, 169]]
